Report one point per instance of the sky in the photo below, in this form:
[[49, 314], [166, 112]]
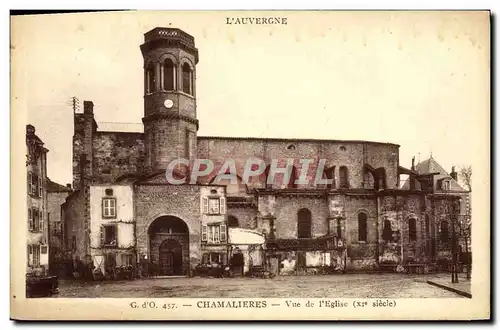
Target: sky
[[420, 80]]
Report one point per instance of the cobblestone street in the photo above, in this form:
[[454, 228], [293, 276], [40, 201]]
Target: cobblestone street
[[341, 286]]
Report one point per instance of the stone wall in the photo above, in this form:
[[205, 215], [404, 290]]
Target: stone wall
[[55, 225], [74, 216], [156, 199], [286, 209], [352, 154], [117, 154], [361, 254], [246, 216]]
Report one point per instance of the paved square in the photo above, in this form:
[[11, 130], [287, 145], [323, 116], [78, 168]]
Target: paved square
[[341, 286]]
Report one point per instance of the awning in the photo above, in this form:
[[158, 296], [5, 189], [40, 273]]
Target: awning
[[241, 236]]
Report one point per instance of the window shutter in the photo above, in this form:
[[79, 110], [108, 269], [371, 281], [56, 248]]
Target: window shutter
[[204, 233], [29, 182], [204, 206], [102, 235], [34, 185], [30, 218], [40, 187], [30, 255], [223, 232], [222, 205], [35, 219], [41, 226], [216, 234], [104, 207], [116, 235]]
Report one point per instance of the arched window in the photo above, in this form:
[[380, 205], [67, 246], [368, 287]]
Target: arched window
[[412, 229], [444, 232], [343, 177], [362, 227], [387, 232], [304, 223], [169, 80], [187, 79], [232, 221], [329, 174], [150, 78]]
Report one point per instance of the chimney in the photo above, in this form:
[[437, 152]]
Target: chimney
[[413, 163], [30, 129], [454, 174], [88, 107]]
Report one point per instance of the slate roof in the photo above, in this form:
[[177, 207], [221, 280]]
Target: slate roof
[[56, 187], [432, 166]]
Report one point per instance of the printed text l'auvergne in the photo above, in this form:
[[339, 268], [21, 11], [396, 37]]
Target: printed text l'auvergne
[[256, 21]]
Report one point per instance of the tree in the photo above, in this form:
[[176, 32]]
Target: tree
[[465, 174]]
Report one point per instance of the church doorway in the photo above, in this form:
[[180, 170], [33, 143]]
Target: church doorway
[[170, 258], [169, 246]]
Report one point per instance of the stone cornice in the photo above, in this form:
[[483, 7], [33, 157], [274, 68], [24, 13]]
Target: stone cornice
[[170, 116]]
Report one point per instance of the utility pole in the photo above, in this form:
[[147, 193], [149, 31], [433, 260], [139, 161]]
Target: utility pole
[[75, 104]]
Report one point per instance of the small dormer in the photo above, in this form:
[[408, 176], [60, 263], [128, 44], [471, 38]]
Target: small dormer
[[444, 184]]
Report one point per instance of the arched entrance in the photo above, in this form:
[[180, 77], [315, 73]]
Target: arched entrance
[[169, 246]]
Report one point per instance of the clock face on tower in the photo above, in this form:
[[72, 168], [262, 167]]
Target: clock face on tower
[[168, 103]]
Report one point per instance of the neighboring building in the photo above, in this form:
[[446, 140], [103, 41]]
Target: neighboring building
[[36, 167], [447, 184], [56, 196], [124, 209]]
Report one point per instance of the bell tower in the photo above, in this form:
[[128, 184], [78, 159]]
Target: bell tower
[[170, 123]]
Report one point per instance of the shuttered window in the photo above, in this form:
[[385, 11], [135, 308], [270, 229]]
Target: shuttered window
[[109, 235], [213, 206], [30, 183], [40, 187], [223, 233], [34, 255], [30, 218], [222, 205], [30, 255], [204, 205], [204, 237], [41, 225], [35, 223], [109, 208]]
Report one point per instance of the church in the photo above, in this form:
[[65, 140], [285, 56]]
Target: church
[[123, 210]]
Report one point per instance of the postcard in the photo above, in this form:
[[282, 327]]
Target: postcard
[[250, 165]]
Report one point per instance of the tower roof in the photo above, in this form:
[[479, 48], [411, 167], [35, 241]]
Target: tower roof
[[172, 37]]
